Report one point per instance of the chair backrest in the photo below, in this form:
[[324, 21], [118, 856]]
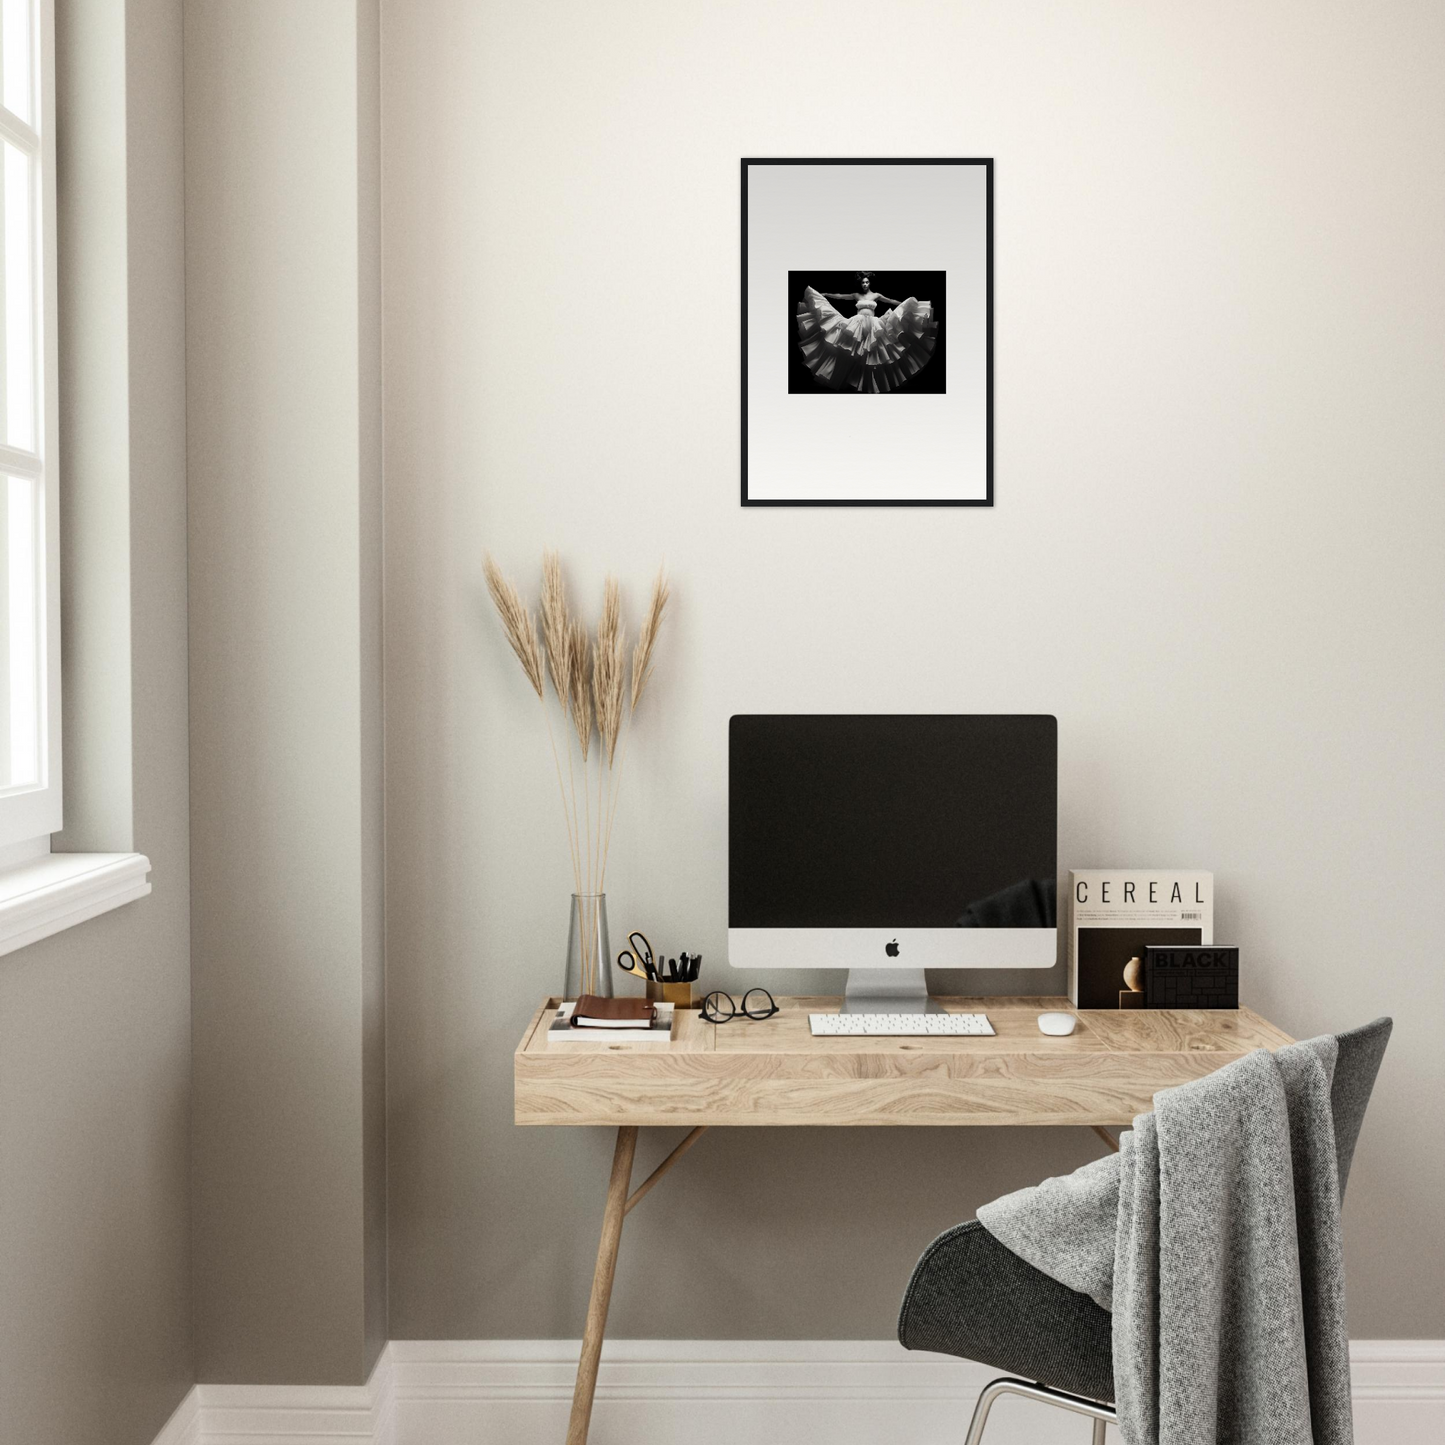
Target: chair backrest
[[1359, 1061]]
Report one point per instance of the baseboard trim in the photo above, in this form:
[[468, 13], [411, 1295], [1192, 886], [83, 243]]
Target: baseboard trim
[[1399, 1371], [287, 1414], [844, 1392], [184, 1426], [544, 1370]]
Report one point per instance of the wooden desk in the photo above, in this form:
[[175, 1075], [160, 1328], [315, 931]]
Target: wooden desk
[[773, 1072]]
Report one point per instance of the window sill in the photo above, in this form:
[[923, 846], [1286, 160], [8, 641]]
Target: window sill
[[60, 890]]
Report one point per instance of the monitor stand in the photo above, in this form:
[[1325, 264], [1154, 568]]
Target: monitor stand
[[887, 991]]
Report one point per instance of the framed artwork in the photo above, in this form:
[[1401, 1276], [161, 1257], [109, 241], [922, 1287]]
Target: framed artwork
[[867, 333]]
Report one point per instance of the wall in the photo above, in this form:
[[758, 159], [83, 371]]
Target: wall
[[95, 1338], [369, 648], [282, 327], [1215, 556]]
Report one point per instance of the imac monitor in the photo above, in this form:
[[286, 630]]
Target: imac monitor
[[890, 844]]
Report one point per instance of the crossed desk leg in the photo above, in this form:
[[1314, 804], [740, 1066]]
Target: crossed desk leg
[[1106, 1136], [619, 1204]]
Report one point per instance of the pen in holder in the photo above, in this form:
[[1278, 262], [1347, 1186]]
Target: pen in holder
[[675, 985], [667, 980]]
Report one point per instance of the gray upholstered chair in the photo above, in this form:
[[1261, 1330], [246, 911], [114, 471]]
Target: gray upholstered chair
[[972, 1297]]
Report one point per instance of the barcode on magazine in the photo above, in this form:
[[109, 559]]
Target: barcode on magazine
[[1196, 916]]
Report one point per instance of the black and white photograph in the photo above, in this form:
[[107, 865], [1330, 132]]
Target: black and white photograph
[[864, 279], [848, 335]]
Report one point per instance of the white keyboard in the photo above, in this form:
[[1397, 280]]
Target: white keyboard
[[912, 1026]]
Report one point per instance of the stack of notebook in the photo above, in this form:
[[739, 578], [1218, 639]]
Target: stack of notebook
[[611, 1021]]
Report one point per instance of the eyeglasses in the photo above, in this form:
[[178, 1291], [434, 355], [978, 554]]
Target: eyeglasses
[[719, 1008]]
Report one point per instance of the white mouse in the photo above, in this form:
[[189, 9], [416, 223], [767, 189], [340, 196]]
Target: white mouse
[[1057, 1023]]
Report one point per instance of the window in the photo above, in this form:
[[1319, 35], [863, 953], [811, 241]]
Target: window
[[30, 798], [41, 892]]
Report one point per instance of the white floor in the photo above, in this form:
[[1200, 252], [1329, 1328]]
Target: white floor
[[714, 1392]]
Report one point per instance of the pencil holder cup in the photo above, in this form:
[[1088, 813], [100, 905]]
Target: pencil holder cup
[[679, 994]]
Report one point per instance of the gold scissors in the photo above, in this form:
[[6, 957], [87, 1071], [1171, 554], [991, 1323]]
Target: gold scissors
[[637, 958]]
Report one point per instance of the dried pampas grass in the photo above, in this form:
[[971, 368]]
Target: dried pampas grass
[[555, 633], [609, 670], [516, 623], [589, 681], [579, 685], [647, 637]]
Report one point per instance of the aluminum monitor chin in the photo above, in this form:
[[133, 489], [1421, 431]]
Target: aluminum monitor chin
[[892, 842]]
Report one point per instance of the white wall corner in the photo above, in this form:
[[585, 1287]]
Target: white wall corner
[[711, 1392]]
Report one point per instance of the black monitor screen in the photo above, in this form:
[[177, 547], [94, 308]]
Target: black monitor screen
[[892, 822]]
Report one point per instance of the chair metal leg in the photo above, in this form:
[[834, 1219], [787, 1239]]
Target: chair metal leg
[[1100, 1414], [980, 1411]]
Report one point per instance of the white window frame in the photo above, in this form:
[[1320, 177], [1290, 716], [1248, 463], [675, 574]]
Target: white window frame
[[29, 815], [42, 892]]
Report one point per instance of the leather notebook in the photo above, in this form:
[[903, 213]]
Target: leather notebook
[[593, 1012]]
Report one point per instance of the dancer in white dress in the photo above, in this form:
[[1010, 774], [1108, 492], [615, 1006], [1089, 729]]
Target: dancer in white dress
[[866, 352]]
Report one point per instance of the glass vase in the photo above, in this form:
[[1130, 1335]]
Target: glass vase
[[589, 951]]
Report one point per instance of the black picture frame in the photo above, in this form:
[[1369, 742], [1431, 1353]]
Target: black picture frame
[[986, 162]]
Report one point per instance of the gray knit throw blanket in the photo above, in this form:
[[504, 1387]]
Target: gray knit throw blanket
[[1214, 1237]]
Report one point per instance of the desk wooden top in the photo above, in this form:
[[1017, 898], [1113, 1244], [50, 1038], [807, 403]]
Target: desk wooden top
[[774, 1072]]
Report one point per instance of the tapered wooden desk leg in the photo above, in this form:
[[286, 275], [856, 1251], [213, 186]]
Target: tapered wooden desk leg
[[612, 1217], [1106, 1136]]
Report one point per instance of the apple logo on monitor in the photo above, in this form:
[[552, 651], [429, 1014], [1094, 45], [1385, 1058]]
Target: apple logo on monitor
[[891, 949]]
